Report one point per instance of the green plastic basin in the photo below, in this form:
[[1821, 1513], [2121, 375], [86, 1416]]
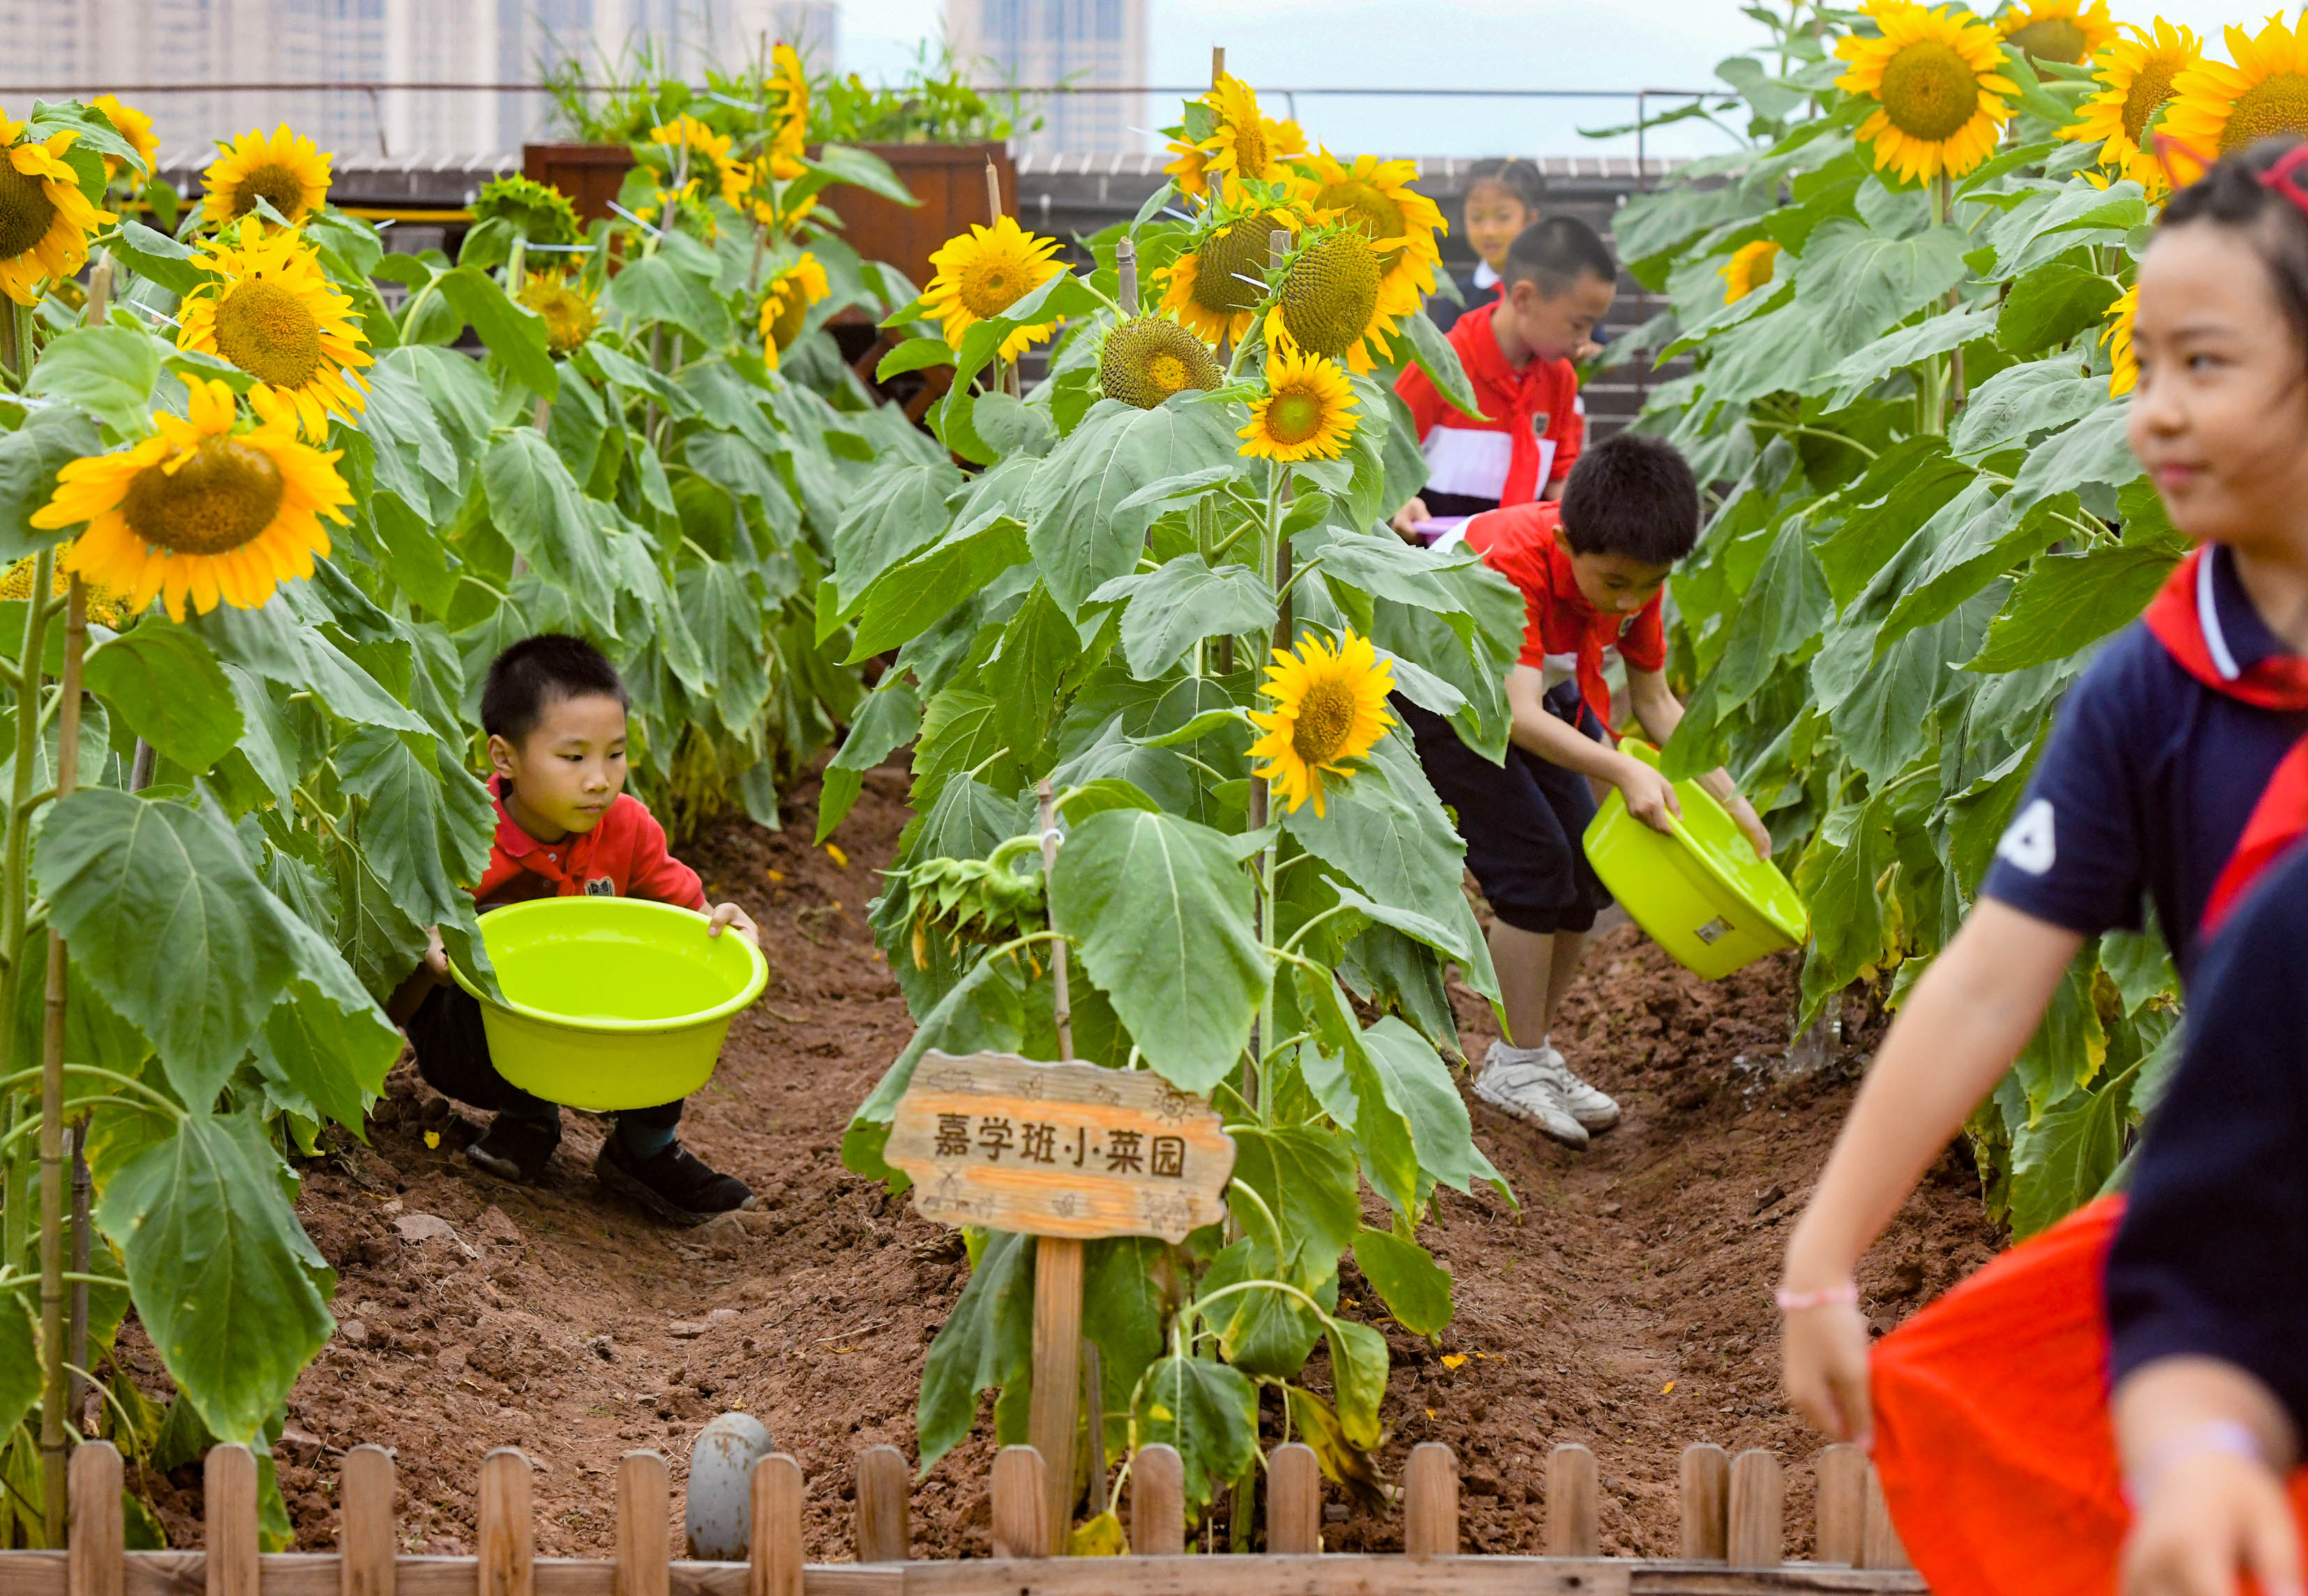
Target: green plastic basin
[[611, 1002], [1700, 892]]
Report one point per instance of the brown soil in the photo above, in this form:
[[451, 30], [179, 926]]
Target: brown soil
[[1625, 1305]]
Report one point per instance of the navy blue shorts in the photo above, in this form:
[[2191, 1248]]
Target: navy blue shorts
[[1523, 822]]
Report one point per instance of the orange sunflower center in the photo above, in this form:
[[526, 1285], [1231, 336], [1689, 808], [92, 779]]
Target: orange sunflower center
[[1326, 714], [221, 499], [2276, 104], [277, 186], [1294, 416], [2055, 38], [1930, 90], [269, 332], [25, 210], [2151, 86]]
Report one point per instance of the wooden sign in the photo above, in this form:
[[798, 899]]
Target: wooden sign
[[1065, 1150]]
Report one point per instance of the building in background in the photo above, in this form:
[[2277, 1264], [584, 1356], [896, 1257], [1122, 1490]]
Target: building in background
[[1077, 42]]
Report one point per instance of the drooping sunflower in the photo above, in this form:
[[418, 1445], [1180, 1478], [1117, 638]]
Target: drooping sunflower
[[2136, 75], [785, 304], [45, 219], [289, 173], [2067, 31], [201, 512], [272, 313], [1376, 196], [1333, 300], [2218, 109], [132, 126], [538, 211], [788, 88], [2124, 366], [1147, 358], [985, 271], [1242, 144], [104, 607], [1750, 267], [1215, 287], [1308, 412], [561, 302], [1330, 707], [1940, 105]]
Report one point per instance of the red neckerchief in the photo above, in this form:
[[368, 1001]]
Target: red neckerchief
[[1524, 394], [1569, 614], [2182, 617]]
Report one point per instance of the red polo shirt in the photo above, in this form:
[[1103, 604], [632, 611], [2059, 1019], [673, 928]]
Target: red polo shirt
[[624, 856], [1564, 633], [1533, 429]]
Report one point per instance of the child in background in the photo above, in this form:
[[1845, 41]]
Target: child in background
[[1502, 199], [554, 712], [1589, 570], [1558, 281]]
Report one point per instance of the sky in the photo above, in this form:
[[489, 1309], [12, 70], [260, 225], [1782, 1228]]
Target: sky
[[1434, 44]]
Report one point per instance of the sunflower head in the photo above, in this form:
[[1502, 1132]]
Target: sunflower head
[[1331, 299], [1329, 707], [103, 607], [289, 173], [2124, 366], [561, 302], [270, 310], [2063, 31], [45, 219], [1215, 287], [1940, 99], [538, 211], [1748, 268], [2223, 108], [2136, 76], [132, 126], [1375, 198], [1308, 412], [1147, 358], [1227, 141], [788, 90], [205, 512], [786, 302], [983, 272]]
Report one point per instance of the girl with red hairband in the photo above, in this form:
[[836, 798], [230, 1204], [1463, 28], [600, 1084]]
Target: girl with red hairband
[[2116, 1403]]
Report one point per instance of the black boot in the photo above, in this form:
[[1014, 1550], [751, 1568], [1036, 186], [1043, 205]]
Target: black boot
[[517, 1147], [672, 1183]]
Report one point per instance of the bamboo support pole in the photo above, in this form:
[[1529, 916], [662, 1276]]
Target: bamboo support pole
[[1294, 1500], [1430, 1506], [1125, 269], [775, 1556], [54, 1390], [885, 1530], [1007, 369], [1158, 1502], [1706, 1503], [1572, 1530]]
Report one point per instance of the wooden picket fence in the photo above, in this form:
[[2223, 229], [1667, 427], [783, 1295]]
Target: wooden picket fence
[[1733, 1538]]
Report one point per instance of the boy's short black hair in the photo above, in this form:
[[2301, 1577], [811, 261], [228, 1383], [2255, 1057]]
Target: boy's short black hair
[[1631, 494], [541, 671], [1556, 252], [1518, 178]]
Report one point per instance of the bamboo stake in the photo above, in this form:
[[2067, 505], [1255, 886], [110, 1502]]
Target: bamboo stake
[[1218, 63], [54, 1392], [1126, 267], [1006, 369]]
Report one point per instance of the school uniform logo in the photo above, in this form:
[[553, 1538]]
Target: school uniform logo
[[600, 886], [2028, 843]]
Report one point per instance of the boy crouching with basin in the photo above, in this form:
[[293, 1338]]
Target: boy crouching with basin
[[554, 711]]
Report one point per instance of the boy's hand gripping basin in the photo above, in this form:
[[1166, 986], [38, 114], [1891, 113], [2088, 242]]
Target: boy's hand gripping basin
[[1700, 892], [611, 1002]]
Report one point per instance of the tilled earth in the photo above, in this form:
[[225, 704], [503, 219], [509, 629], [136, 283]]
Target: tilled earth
[[1624, 1304]]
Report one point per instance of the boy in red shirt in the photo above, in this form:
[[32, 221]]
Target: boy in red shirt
[[554, 711], [1558, 282], [1590, 570]]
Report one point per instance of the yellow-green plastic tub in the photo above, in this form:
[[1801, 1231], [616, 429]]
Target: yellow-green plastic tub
[[611, 1002], [1700, 892]]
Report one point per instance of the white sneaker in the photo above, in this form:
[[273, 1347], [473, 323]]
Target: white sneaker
[[1593, 1109], [1520, 1086]]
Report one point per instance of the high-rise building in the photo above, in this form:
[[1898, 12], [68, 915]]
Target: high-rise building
[[1078, 43]]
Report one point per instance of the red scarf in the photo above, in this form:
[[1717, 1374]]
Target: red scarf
[[1569, 615], [2183, 619]]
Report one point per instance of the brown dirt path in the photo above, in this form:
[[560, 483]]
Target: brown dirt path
[[1626, 1306]]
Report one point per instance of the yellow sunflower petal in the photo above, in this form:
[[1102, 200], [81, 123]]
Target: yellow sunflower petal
[[1329, 709], [1307, 411]]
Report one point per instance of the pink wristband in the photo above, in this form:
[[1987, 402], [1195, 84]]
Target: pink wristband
[[1834, 1296]]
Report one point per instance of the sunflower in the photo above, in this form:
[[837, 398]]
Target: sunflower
[[1215, 287], [985, 271], [1146, 359], [201, 512], [1242, 145], [1749, 267], [2124, 366], [1939, 96], [563, 304], [1334, 300], [1330, 707], [538, 211], [1308, 412], [2061, 30], [103, 607], [789, 134], [2137, 74], [45, 219], [288, 172], [272, 314], [785, 304], [2218, 109], [132, 126], [1376, 196]]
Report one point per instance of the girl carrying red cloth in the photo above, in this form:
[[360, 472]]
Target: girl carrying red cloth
[[2177, 774]]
